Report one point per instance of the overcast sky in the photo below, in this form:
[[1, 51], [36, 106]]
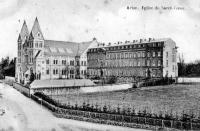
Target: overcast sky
[[107, 20]]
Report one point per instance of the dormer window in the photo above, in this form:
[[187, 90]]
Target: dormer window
[[38, 34]]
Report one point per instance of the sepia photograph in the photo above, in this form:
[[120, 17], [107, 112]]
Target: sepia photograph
[[99, 65]]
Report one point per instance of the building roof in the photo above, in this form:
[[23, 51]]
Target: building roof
[[141, 41], [61, 83], [24, 32], [36, 29], [65, 48]]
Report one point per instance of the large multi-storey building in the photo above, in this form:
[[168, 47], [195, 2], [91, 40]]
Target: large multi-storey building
[[130, 60], [49, 59]]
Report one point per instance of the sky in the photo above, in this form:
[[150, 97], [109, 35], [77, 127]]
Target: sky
[[107, 20]]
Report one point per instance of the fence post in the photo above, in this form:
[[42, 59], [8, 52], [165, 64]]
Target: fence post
[[181, 125], [171, 123]]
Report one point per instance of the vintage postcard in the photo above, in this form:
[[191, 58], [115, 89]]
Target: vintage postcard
[[99, 65]]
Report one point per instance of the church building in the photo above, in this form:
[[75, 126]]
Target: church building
[[49, 59]]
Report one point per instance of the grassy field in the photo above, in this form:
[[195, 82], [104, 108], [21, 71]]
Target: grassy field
[[171, 98]]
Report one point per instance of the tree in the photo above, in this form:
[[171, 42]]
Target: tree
[[181, 66], [32, 77], [7, 67]]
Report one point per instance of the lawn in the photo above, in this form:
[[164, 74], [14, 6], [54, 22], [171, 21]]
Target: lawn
[[171, 98]]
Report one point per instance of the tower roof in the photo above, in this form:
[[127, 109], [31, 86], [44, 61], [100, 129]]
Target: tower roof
[[24, 32], [36, 29]]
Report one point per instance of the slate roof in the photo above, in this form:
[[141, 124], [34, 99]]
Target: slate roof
[[61, 83], [36, 28], [64, 48], [136, 42], [24, 32]]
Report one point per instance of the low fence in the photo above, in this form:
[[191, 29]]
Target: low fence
[[189, 80], [21, 88], [105, 88], [132, 121]]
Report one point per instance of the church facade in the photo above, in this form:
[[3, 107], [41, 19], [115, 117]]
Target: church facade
[[49, 59]]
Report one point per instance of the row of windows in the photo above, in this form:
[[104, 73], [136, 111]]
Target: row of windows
[[134, 63], [64, 62], [127, 55], [55, 71], [127, 63], [157, 44], [37, 44], [96, 56], [153, 72]]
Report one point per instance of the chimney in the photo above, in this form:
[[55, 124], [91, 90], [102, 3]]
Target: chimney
[[149, 39], [140, 40], [94, 39]]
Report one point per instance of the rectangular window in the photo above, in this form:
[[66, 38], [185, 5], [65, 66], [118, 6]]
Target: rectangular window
[[36, 45], [167, 54], [154, 54], [40, 45], [72, 63], [138, 54], [47, 71], [159, 63], [143, 54], [173, 68], [159, 53], [173, 58], [63, 62], [47, 61], [134, 55], [71, 71], [130, 55], [126, 55], [107, 56], [55, 62], [148, 54], [166, 63], [148, 62], [122, 55], [153, 63], [138, 63]]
